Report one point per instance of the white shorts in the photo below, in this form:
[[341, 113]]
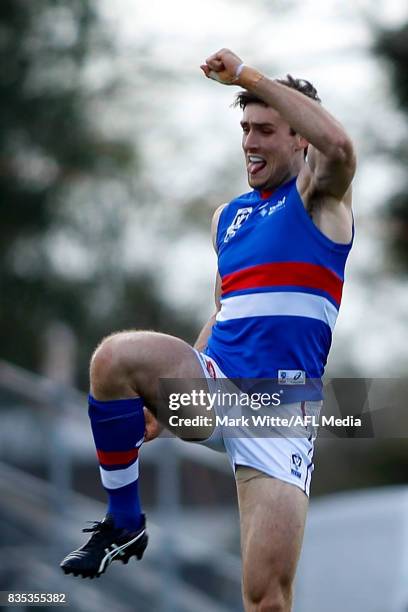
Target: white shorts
[[287, 458]]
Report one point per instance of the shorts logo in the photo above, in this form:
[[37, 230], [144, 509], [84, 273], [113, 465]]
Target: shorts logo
[[210, 369], [291, 377], [296, 465], [241, 216]]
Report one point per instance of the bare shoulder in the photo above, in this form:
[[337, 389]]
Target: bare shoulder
[[332, 214], [214, 223]]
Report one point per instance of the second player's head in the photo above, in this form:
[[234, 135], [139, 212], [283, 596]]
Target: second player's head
[[273, 151]]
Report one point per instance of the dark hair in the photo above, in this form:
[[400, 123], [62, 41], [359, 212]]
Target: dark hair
[[243, 98]]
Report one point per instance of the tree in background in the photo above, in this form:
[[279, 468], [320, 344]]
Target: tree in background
[[63, 190], [393, 46]]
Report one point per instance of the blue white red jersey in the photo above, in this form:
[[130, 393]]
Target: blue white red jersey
[[282, 282]]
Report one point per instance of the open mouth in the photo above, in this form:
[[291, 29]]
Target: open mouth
[[256, 163]]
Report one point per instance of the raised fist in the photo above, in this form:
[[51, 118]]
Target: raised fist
[[224, 67]]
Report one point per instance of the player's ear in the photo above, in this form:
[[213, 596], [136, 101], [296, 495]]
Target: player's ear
[[300, 143]]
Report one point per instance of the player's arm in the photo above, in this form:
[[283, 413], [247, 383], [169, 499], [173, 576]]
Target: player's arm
[[334, 163], [334, 158], [205, 333]]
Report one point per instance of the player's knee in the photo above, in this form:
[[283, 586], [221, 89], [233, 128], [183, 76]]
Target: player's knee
[[104, 361], [274, 596], [109, 368], [269, 603], [272, 605]]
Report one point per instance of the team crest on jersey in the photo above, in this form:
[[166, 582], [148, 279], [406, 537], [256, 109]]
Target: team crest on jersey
[[241, 216]]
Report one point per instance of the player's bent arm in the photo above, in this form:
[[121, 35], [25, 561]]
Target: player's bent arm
[[326, 178], [202, 340], [335, 158]]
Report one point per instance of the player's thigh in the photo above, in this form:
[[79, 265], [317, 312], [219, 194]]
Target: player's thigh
[[145, 354], [272, 516], [142, 362], [162, 356]]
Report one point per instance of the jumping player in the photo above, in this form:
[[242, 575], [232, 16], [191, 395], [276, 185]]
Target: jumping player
[[282, 250]]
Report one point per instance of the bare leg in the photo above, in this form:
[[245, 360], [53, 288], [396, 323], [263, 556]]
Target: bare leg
[[125, 373], [273, 515], [132, 363]]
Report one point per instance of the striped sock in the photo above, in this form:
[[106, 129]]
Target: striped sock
[[118, 429]]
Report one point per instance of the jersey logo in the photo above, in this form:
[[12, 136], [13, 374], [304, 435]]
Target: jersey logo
[[241, 216], [280, 204]]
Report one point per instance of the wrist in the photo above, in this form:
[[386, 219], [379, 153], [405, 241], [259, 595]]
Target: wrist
[[248, 77]]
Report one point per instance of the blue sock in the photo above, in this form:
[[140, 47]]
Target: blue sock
[[118, 428]]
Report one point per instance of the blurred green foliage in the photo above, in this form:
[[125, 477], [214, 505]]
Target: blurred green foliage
[[392, 45], [57, 173]]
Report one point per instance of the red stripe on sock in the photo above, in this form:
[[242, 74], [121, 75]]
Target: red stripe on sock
[[117, 457]]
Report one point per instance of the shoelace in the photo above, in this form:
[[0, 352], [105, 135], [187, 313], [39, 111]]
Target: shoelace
[[100, 532], [97, 526]]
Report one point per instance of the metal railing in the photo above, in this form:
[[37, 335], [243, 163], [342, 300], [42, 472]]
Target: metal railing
[[40, 503]]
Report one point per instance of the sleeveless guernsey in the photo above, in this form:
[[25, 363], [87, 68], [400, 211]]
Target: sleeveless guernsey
[[282, 282]]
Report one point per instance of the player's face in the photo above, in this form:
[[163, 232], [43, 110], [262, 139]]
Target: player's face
[[271, 149]]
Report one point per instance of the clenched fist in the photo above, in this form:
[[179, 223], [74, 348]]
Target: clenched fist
[[227, 68], [223, 66]]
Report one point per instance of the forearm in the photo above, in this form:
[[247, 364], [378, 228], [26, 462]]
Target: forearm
[[204, 334], [306, 116]]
